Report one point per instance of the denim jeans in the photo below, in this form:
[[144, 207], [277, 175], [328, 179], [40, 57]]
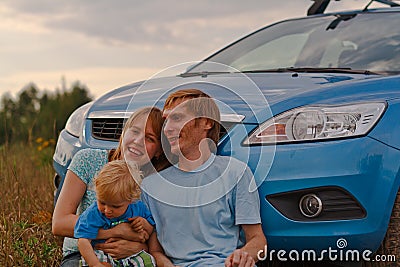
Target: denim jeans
[[71, 260]]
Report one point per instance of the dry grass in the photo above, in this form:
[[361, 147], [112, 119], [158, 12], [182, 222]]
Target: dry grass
[[26, 204]]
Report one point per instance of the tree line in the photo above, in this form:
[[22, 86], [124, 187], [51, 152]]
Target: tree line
[[37, 114]]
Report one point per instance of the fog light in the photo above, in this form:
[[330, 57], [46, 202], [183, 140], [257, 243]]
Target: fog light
[[310, 205]]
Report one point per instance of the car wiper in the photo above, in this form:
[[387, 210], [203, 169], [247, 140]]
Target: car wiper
[[339, 18], [201, 73], [316, 70]]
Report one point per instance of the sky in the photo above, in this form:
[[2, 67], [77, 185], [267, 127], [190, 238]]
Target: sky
[[105, 44]]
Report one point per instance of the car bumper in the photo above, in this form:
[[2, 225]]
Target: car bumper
[[364, 168]]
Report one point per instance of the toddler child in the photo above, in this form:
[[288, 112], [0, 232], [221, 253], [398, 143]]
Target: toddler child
[[118, 194]]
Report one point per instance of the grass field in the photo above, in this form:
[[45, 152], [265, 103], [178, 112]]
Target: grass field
[[26, 204]]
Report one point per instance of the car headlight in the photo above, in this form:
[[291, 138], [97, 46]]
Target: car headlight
[[314, 123], [75, 122]]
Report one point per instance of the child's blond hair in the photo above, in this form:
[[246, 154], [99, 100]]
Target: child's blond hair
[[118, 181]]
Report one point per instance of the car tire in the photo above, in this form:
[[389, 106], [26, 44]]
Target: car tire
[[391, 243]]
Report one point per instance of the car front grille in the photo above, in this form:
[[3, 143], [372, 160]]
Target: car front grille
[[110, 129]]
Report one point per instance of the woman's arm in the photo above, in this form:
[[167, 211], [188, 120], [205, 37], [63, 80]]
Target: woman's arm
[[64, 216]]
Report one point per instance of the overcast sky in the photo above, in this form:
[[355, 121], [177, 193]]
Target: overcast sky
[[105, 44]]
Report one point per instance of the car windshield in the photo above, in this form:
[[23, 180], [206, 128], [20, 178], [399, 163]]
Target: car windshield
[[359, 41]]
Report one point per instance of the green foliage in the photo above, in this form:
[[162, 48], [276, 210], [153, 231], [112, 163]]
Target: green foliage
[[26, 208], [37, 114], [45, 151]]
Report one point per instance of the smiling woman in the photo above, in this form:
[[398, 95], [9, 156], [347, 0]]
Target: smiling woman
[[140, 142], [138, 132]]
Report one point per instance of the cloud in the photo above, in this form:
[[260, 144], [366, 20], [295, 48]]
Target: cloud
[[54, 37], [156, 23], [146, 22], [174, 22]]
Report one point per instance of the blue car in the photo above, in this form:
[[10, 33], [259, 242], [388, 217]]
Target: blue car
[[312, 105]]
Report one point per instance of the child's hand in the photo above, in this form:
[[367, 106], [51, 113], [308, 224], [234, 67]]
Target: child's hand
[[141, 226], [137, 223]]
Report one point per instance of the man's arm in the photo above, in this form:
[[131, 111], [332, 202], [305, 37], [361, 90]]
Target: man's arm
[[157, 251], [124, 231], [148, 227], [121, 248], [255, 241], [122, 241]]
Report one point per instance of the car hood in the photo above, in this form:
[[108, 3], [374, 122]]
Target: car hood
[[252, 96]]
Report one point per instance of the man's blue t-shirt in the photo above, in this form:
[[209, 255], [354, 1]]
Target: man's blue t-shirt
[[91, 220], [198, 213]]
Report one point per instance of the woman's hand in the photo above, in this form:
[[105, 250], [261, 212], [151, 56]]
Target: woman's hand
[[120, 248]]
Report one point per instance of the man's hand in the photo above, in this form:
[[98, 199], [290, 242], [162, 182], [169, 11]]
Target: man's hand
[[248, 254], [121, 248], [239, 258], [142, 236], [125, 231]]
